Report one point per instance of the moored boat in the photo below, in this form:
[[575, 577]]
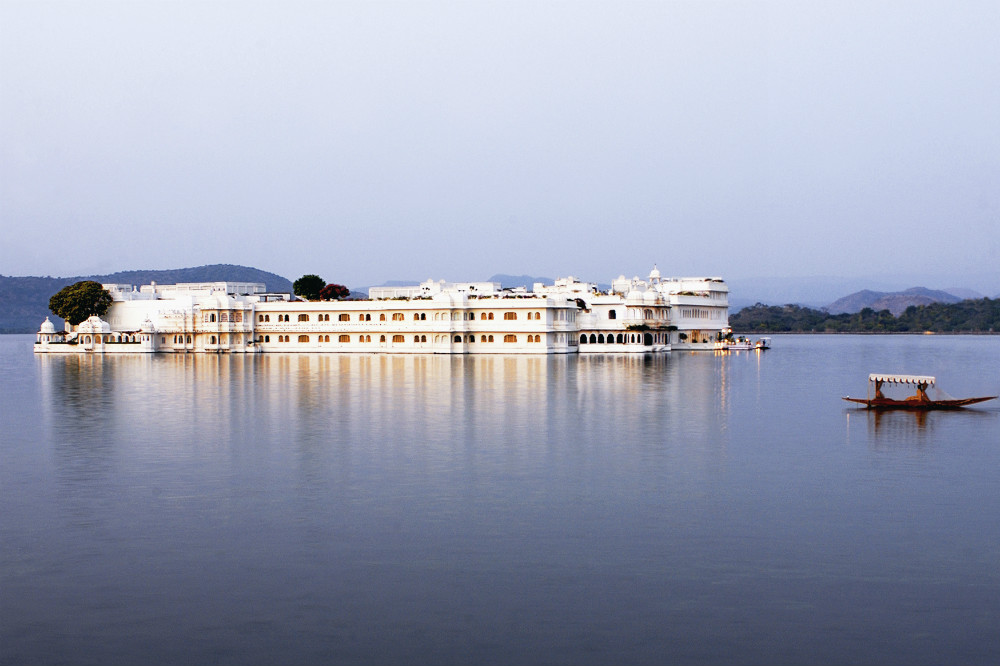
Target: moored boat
[[738, 344], [919, 400]]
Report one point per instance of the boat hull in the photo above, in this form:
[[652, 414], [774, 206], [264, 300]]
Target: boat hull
[[889, 403]]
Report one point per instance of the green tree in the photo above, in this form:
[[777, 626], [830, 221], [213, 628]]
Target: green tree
[[308, 287], [81, 300]]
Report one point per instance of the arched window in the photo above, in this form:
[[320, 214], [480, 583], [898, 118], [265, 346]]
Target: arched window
[[416, 338], [600, 339], [381, 317], [343, 317], [482, 316], [538, 316], [423, 338], [510, 337], [344, 338], [472, 338], [647, 314], [397, 316], [211, 317], [612, 314], [398, 338], [382, 339], [583, 339], [303, 317], [416, 316], [482, 338], [260, 317], [267, 338], [620, 339], [489, 338], [458, 338], [593, 339], [509, 316], [303, 338], [491, 317], [212, 340]]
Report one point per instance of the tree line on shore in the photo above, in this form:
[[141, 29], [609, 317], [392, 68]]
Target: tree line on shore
[[969, 316]]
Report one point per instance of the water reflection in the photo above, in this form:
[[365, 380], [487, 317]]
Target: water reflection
[[197, 407], [892, 428], [415, 509]]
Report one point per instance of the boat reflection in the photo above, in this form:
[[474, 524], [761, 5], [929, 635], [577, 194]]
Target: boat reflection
[[890, 428]]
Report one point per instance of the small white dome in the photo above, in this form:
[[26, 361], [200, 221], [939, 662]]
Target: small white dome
[[634, 297], [94, 324], [147, 326], [650, 297], [47, 326], [655, 273]]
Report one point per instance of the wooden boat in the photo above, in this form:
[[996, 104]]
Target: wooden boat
[[763, 343], [918, 400]]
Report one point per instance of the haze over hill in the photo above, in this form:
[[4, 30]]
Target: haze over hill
[[24, 301], [894, 302], [823, 291]]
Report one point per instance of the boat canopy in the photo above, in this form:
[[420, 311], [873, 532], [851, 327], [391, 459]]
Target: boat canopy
[[902, 379]]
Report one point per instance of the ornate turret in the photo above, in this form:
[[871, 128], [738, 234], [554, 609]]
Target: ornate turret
[[47, 333]]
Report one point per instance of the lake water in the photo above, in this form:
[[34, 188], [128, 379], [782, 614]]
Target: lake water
[[685, 508]]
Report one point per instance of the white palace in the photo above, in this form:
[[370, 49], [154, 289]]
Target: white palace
[[636, 316]]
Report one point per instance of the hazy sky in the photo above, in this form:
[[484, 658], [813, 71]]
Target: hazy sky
[[369, 141]]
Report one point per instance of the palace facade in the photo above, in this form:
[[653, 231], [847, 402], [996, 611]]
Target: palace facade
[[635, 316]]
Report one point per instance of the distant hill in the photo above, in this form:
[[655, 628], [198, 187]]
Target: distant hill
[[895, 302], [511, 281], [24, 301], [818, 291], [506, 282], [528, 281], [969, 316]]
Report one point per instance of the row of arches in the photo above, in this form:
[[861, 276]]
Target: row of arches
[[400, 339], [619, 339], [399, 316]]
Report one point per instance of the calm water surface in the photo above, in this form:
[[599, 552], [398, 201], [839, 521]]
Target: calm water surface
[[686, 508]]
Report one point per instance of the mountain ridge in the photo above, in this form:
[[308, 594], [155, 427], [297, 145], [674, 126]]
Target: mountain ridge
[[24, 301], [895, 302]]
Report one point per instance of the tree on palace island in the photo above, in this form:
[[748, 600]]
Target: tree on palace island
[[308, 287], [334, 292], [79, 301]]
